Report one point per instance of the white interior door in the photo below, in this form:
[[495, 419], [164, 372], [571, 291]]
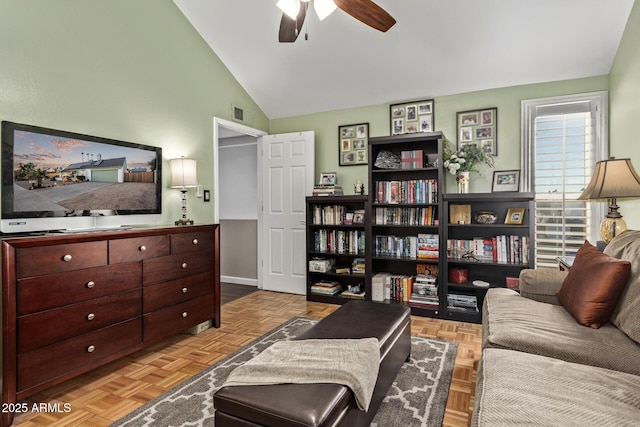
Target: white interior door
[[287, 178]]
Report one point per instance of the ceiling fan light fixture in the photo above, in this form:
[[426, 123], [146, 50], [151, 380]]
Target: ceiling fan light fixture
[[289, 7], [324, 8]]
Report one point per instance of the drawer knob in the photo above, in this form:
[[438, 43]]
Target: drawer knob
[[184, 265], [194, 241], [91, 349], [143, 248], [184, 290], [91, 316], [91, 284], [67, 258], [184, 314]]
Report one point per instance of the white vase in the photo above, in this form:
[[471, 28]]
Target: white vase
[[462, 182]]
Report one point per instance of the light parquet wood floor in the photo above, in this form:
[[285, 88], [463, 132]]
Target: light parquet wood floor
[[104, 395]]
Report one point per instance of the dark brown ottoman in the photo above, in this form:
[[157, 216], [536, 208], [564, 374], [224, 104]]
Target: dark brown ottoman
[[312, 405]]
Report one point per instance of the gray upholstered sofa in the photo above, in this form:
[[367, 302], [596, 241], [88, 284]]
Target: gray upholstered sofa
[[539, 367]]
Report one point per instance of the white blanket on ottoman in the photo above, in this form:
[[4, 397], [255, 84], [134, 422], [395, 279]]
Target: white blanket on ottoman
[[351, 362]]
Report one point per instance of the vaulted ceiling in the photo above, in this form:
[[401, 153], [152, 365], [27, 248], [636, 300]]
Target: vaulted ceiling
[[436, 48]]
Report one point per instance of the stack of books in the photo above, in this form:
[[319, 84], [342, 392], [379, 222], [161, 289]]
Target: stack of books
[[325, 287], [428, 246], [425, 292], [327, 190], [353, 294], [462, 302], [357, 267]]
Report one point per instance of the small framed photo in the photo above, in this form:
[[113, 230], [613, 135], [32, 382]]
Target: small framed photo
[[479, 127], [506, 181], [358, 216], [515, 216], [412, 117], [328, 179], [353, 144]]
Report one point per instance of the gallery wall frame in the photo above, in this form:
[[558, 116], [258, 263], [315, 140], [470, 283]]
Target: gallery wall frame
[[412, 117], [353, 144], [478, 127]]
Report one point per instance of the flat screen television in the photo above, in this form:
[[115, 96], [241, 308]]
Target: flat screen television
[[54, 180]]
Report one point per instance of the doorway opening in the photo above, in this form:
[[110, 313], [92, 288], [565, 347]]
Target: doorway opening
[[237, 201]]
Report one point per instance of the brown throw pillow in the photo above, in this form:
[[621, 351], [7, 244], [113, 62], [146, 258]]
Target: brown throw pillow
[[593, 286]]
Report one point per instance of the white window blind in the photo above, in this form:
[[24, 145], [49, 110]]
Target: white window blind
[[563, 146]]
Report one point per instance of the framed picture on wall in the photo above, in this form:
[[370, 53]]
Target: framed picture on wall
[[412, 117], [479, 127], [353, 144]]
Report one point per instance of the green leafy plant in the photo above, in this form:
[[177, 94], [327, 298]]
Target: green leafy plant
[[468, 159]]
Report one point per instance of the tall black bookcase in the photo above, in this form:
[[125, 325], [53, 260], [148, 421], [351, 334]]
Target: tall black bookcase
[[405, 199]]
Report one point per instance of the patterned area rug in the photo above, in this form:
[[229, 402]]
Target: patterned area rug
[[417, 397]]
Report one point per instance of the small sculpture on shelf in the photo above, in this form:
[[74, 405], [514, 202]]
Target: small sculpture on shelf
[[358, 188]]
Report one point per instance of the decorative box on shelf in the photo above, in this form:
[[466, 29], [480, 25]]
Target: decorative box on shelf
[[321, 265]]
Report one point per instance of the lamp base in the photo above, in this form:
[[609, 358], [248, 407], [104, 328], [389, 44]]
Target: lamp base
[[184, 221], [611, 227]]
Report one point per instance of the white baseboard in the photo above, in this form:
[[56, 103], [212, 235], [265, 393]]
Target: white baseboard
[[239, 280]]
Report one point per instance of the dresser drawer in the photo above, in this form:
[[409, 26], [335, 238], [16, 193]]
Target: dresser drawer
[[138, 248], [173, 292], [171, 320], [56, 290], [42, 260], [172, 267], [50, 362], [46, 327], [192, 242]]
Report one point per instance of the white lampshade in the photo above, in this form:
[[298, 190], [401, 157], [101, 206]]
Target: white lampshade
[[324, 8], [183, 173], [290, 7]]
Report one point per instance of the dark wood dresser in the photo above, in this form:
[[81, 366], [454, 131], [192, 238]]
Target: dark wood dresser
[[71, 303]]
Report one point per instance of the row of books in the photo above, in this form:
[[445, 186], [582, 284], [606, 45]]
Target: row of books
[[411, 191], [421, 290], [462, 302], [339, 241], [336, 215], [407, 216], [502, 248], [422, 246]]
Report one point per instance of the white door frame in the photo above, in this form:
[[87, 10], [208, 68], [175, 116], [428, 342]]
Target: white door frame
[[245, 130]]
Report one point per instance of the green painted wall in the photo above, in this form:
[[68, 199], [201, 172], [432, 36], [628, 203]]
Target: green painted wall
[[624, 95], [130, 70], [506, 99]]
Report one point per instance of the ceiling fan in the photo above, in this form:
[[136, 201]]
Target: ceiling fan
[[364, 11]]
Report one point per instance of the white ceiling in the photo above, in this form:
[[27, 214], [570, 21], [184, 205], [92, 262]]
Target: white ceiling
[[436, 48]]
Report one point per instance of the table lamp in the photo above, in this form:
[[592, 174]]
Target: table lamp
[[183, 176], [612, 179]]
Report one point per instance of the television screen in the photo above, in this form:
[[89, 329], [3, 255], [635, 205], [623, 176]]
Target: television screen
[[52, 173]]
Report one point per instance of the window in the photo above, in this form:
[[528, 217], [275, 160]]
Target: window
[[563, 138]]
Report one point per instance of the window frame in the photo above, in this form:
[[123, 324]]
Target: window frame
[[531, 108]]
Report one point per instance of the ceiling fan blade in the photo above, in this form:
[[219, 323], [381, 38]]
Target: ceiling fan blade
[[368, 13], [289, 27]]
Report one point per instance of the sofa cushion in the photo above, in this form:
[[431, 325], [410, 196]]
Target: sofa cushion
[[626, 315], [515, 389], [593, 286], [511, 321]]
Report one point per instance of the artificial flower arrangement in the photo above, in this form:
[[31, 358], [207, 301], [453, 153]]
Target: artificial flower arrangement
[[467, 159]]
